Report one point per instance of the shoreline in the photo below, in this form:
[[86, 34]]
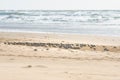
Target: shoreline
[[77, 38], [35, 32], [59, 45]]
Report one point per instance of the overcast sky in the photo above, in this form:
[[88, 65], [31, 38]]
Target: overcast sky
[[60, 4]]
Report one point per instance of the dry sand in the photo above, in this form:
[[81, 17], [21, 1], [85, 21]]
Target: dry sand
[[23, 62]]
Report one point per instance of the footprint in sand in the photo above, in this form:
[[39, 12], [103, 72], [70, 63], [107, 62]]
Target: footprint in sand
[[28, 66], [41, 66], [11, 59]]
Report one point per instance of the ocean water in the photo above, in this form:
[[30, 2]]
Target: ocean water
[[96, 22]]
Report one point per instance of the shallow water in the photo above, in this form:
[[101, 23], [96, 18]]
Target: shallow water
[[101, 22]]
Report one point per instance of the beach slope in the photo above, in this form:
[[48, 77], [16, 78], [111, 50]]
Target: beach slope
[[41, 56]]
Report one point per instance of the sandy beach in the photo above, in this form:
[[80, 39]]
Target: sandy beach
[[45, 56]]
